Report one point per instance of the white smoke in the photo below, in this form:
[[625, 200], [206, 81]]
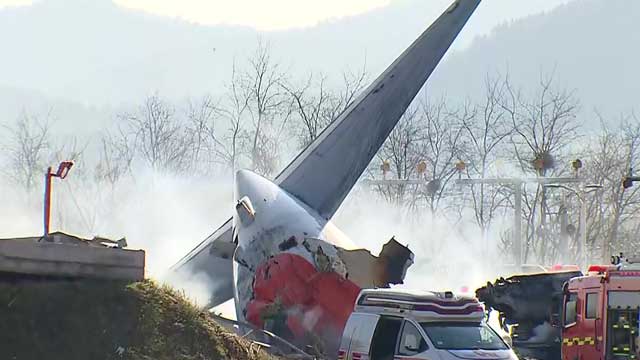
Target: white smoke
[[448, 256], [166, 215]]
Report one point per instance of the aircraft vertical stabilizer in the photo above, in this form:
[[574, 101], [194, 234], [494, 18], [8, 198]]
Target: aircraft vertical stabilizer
[[324, 173]]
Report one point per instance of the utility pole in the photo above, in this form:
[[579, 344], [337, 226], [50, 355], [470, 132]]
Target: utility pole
[[564, 228], [517, 225], [517, 184]]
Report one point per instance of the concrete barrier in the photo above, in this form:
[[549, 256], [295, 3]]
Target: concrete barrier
[[70, 258]]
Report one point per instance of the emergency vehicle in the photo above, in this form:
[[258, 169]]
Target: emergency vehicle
[[397, 325], [601, 312]]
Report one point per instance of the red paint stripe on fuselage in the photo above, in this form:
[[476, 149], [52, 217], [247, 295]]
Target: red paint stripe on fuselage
[[313, 302]]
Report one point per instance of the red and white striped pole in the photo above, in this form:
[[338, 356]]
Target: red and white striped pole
[[63, 170]]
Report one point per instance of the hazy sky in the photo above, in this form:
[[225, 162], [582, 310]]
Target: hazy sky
[[284, 14]]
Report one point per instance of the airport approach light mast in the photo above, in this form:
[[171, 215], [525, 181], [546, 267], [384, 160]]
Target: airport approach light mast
[[517, 185], [581, 195]]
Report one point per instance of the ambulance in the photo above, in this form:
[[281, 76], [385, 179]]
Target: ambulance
[[397, 325]]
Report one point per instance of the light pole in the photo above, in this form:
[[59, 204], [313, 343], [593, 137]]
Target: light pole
[[580, 194], [61, 173]]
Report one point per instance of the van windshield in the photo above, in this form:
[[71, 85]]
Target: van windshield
[[463, 336]]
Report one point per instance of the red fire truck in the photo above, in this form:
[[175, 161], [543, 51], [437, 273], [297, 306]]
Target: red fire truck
[[601, 313]]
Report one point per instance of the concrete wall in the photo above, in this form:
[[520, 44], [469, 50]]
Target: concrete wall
[[56, 259]]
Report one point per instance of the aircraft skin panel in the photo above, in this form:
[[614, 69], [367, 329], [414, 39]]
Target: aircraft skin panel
[[324, 173], [208, 266], [205, 274], [223, 233]]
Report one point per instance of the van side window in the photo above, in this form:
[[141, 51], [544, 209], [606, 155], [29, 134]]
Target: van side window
[[411, 341], [384, 339], [591, 306], [570, 309]]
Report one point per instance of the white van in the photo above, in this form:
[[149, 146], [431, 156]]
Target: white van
[[397, 325]]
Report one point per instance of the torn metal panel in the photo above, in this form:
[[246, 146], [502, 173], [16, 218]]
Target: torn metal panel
[[395, 260], [362, 267], [369, 271]]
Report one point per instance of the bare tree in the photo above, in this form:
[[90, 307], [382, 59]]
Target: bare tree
[[315, 105], [425, 145], [115, 159], [612, 211], [403, 152], [543, 126], [486, 131], [27, 148], [310, 109], [202, 116], [217, 129], [157, 137], [267, 106], [629, 202], [30, 149], [228, 141], [443, 147]]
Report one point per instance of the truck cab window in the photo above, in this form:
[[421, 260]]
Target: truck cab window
[[384, 339], [570, 309], [623, 310], [591, 306], [411, 341]]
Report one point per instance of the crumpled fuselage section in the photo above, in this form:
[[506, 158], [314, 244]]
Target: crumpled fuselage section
[[296, 275]]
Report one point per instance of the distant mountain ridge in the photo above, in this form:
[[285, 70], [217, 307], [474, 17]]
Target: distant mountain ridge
[[103, 55], [591, 47]]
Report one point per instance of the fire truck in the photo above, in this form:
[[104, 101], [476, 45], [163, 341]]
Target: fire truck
[[601, 312]]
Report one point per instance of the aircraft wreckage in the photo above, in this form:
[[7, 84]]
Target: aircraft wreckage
[[286, 266], [532, 303]]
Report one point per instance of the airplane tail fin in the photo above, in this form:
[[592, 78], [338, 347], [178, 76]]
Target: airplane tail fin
[[324, 173]]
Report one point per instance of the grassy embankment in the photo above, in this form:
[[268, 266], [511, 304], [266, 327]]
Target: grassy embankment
[[94, 320]]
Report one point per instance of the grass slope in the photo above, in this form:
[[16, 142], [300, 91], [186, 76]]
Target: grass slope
[[92, 320]]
